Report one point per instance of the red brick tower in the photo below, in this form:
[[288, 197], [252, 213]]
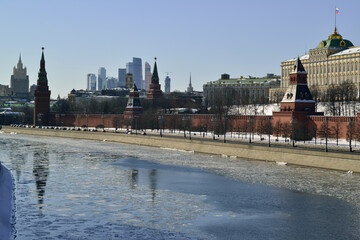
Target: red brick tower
[[155, 88], [133, 107], [297, 102], [297, 96], [42, 96]]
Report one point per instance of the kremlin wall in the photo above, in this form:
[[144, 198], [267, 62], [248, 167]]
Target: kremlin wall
[[197, 121], [297, 115]]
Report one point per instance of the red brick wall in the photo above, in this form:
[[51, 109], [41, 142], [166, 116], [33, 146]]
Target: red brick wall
[[205, 121]]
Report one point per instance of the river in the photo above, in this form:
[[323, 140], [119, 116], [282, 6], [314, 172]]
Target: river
[[81, 189]]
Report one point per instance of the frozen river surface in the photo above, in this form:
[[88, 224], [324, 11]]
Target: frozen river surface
[[78, 189]]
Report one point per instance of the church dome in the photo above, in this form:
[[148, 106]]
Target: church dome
[[335, 40]]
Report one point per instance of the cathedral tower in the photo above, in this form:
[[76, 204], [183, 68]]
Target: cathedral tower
[[42, 96]]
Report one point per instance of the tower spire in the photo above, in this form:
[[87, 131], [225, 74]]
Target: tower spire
[[155, 88], [42, 76], [42, 61], [155, 76]]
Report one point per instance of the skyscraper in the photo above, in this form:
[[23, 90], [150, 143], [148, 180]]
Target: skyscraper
[[135, 67], [102, 78], [147, 76], [167, 84], [19, 82], [121, 77], [91, 82], [111, 82]]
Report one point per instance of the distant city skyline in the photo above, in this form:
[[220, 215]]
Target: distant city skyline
[[206, 38]]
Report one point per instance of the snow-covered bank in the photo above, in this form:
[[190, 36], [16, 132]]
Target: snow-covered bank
[[6, 194]]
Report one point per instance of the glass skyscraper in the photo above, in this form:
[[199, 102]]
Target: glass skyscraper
[[102, 78], [135, 68]]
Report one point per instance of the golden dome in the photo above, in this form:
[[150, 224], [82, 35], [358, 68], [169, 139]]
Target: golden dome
[[335, 35]]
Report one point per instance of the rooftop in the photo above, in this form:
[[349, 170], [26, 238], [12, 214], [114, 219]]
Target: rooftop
[[246, 81]]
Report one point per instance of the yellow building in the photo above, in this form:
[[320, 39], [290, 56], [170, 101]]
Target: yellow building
[[333, 62]]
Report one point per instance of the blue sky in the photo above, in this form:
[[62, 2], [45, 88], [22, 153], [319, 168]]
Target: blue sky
[[204, 37]]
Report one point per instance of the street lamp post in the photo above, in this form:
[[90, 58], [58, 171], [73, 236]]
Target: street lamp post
[[189, 119], [250, 121], [350, 133], [136, 123], [184, 124], [269, 129], [225, 118], [293, 131], [161, 121], [326, 134], [213, 120]]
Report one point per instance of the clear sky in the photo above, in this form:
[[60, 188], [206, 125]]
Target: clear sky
[[204, 37]]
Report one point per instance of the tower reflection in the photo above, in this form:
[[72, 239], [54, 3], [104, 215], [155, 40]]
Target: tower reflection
[[133, 178], [41, 172], [153, 183]]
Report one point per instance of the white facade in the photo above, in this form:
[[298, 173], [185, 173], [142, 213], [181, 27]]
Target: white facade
[[332, 62]]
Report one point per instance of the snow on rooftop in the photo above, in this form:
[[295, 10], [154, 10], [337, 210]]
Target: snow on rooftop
[[304, 57], [347, 51]]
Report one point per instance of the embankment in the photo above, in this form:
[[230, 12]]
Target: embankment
[[310, 158]]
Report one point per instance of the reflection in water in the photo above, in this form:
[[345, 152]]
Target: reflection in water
[[41, 172], [153, 183], [18, 161], [90, 196], [133, 178]]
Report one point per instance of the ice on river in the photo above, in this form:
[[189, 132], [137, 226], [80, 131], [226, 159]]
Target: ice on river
[[80, 189]]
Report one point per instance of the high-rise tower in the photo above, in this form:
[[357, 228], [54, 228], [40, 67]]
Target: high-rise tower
[[19, 82], [121, 77], [42, 96], [167, 84], [147, 76], [102, 78], [135, 68], [91, 82]]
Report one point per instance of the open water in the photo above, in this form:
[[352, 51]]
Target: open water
[[80, 189]]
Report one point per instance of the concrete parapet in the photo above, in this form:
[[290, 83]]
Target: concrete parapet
[[310, 158]]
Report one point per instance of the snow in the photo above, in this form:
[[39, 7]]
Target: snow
[[268, 109], [347, 51], [6, 193]]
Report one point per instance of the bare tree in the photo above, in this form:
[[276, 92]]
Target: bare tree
[[316, 94], [278, 95], [350, 133], [286, 130], [277, 129], [335, 131]]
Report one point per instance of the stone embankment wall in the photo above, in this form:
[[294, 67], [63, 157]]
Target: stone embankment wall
[[328, 160]]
